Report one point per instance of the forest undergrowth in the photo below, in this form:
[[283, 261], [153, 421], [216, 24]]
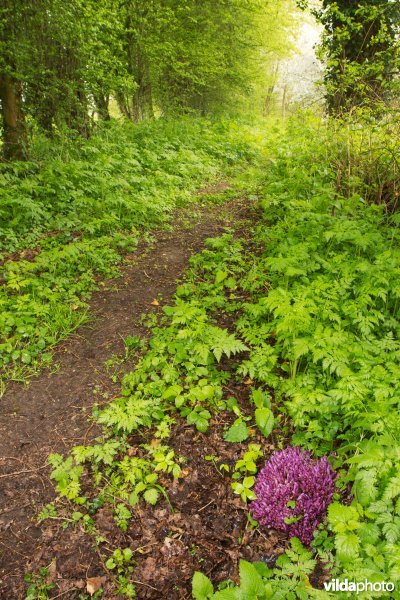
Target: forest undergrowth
[[68, 216], [234, 259], [282, 333]]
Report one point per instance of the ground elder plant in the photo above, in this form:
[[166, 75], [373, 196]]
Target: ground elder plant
[[293, 493]]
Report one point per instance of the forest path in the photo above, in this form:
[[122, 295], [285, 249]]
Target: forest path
[[50, 415]]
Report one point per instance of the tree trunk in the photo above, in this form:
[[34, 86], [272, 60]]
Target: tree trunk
[[143, 96], [143, 103], [15, 140], [123, 104], [102, 102], [270, 92], [77, 115]]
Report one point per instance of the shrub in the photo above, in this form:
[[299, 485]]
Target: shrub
[[293, 493]]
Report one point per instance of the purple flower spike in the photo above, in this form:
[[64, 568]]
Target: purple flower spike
[[293, 493]]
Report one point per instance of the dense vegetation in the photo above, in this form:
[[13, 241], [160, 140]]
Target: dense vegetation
[[360, 49], [322, 342], [68, 217], [65, 65], [280, 347]]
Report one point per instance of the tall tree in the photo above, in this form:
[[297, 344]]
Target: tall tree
[[360, 46], [61, 61], [15, 140], [220, 53]]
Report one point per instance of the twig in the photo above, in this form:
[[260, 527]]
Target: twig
[[22, 472], [145, 546], [203, 507], [13, 550], [87, 432], [145, 584]]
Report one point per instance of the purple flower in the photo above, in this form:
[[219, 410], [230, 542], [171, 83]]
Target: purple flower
[[293, 492]]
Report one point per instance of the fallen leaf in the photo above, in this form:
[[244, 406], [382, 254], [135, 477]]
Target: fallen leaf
[[155, 303], [150, 569], [52, 570], [80, 584], [93, 584], [248, 382]]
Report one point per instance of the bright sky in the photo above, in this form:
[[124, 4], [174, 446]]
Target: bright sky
[[303, 69]]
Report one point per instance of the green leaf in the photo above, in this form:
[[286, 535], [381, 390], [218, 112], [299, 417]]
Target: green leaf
[[251, 584], [265, 420], [127, 554], [202, 588], [238, 432], [261, 399], [392, 489], [228, 594], [347, 546], [343, 518], [172, 391], [220, 276], [364, 488], [26, 357], [248, 482], [202, 425], [151, 496], [391, 532], [179, 401], [110, 564]]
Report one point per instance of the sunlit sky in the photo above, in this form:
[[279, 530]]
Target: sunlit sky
[[302, 70]]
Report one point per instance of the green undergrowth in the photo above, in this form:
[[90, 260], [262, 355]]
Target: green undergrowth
[[322, 326], [177, 375], [67, 217], [310, 301]]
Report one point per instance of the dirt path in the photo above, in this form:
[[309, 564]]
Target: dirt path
[[51, 414]]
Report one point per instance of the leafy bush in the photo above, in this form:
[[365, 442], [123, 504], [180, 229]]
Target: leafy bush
[[125, 176], [364, 154], [293, 493]]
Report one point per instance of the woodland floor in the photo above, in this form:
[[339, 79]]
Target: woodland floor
[[50, 415]]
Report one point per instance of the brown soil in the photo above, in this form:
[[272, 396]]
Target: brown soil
[[50, 415]]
